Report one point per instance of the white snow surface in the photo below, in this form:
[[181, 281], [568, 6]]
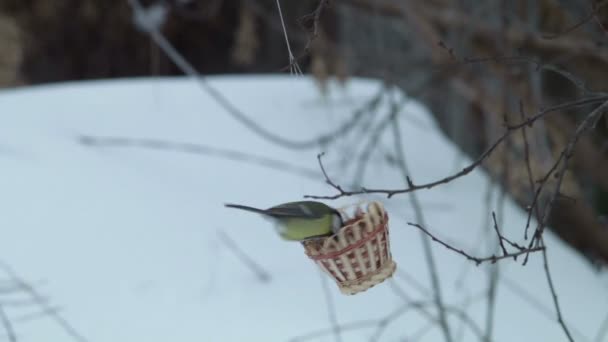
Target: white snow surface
[[124, 242]]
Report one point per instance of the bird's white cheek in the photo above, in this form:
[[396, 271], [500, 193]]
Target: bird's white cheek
[[336, 224]]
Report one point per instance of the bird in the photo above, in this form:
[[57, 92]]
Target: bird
[[302, 220]]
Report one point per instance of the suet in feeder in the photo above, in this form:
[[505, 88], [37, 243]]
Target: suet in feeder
[[359, 255]]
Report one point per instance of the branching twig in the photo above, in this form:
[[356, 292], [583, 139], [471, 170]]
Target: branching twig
[[380, 324], [468, 169], [411, 186], [421, 307], [564, 157], [384, 322], [42, 303], [500, 238], [478, 260]]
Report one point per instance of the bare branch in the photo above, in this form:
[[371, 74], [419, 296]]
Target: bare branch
[[478, 260], [562, 161], [466, 170]]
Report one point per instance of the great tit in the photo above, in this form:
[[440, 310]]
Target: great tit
[[301, 220]]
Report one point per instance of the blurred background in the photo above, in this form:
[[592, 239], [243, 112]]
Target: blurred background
[[475, 64], [518, 86]]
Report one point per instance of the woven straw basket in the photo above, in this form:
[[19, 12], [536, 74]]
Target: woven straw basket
[[358, 256]]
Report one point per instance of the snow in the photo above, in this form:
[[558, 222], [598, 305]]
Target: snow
[[124, 241]]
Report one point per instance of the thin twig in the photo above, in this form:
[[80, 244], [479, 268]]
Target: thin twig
[[42, 313], [418, 334], [538, 65], [259, 271], [331, 308], [412, 281], [533, 301], [421, 308], [558, 311], [42, 303], [199, 149], [8, 327], [483, 232], [293, 63], [411, 186], [478, 260], [500, 238], [384, 322], [603, 329], [316, 18], [355, 325], [188, 69], [373, 135], [428, 253], [493, 280], [533, 207], [18, 302], [586, 19]]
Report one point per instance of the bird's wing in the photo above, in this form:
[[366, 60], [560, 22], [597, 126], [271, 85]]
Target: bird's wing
[[295, 209]]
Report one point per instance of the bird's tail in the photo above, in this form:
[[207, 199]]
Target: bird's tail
[[244, 207]]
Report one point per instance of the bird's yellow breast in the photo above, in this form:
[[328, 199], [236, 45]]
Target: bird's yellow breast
[[301, 229]]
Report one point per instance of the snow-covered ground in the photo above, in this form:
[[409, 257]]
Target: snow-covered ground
[[125, 242]]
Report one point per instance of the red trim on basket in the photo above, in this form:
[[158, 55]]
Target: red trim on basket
[[349, 248]]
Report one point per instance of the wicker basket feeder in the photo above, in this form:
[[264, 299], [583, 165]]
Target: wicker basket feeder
[[359, 255]]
